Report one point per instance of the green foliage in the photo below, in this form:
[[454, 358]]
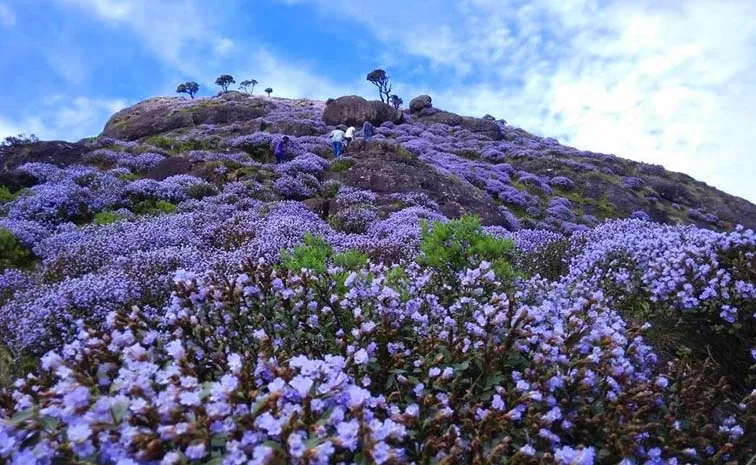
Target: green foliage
[[313, 255], [225, 80], [190, 88], [330, 189], [12, 253], [461, 243], [106, 217], [6, 195], [396, 101], [316, 254], [200, 191], [341, 164], [128, 177], [245, 85], [380, 79], [350, 260], [173, 145], [153, 207]]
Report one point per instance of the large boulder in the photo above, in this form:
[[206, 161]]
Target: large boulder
[[168, 167], [420, 103], [440, 117], [482, 126], [56, 152], [162, 114], [354, 111]]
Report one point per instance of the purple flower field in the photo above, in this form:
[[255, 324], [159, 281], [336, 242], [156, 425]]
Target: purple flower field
[[162, 303]]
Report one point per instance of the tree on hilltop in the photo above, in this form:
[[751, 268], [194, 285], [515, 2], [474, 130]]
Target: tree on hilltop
[[396, 101], [189, 87], [245, 85], [225, 80], [379, 79], [269, 91]]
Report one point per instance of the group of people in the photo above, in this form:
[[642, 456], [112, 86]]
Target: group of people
[[339, 138]]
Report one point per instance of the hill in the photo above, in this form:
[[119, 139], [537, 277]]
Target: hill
[[505, 175], [454, 290]]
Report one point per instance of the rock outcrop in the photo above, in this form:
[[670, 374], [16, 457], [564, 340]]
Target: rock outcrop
[[420, 103], [354, 111], [163, 114]]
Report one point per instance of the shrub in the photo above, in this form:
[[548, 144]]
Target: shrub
[[106, 217], [154, 207], [6, 195], [461, 243], [396, 101], [201, 190], [12, 254], [342, 164]]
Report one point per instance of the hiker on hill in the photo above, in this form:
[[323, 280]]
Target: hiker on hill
[[349, 136], [367, 131], [280, 150], [337, 136]]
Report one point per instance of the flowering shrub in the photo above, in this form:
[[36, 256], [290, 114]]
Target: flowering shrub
[[274, 366]]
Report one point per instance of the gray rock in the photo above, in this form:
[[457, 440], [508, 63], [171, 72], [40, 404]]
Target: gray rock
[[420, 103], [354, 111]]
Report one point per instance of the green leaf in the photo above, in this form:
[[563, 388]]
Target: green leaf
[[275, 446], [50, 424], [119, 410], [23, 415], [218, 441]]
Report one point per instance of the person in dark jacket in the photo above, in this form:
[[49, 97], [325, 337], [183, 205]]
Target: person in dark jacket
[[280, 150], [367, 130]]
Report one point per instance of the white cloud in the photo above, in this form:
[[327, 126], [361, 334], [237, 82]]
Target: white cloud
[[63, 117], [223, 46], [663, 82], [7, 16]]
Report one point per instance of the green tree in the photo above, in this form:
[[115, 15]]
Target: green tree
[[248, 86], [396, 101], [379, 79], [269, 91], [225, 80], [189, 87]]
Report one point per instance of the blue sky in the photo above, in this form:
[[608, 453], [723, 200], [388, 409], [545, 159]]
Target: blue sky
[[668, 82]]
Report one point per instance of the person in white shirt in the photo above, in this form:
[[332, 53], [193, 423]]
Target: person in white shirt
[[337, 135], [349, 136]]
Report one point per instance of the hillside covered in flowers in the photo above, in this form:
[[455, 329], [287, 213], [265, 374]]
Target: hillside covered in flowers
[[454, 290]]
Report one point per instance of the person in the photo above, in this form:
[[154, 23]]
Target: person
[[337, 135], [280, 150], [367, 130], [349, 136]]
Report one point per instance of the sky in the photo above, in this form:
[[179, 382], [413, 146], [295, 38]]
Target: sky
[[671, 82]]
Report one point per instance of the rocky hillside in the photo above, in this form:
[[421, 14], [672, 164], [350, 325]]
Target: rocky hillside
[[170, 295], [483, 166]]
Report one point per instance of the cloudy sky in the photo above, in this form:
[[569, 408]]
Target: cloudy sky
[[671, 82]]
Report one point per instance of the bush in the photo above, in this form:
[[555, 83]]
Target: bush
[[460, 244], [106, 217], [6, 195], [12, 253], [154, 207], [342, 164], [202, 190]]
